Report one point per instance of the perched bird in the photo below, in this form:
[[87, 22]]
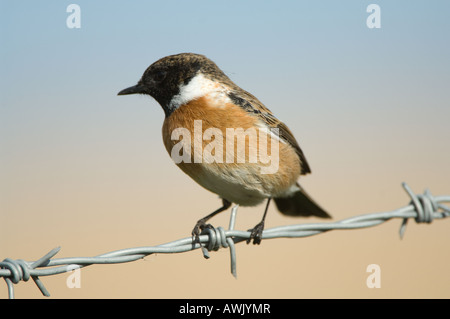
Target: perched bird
[[199, 102]]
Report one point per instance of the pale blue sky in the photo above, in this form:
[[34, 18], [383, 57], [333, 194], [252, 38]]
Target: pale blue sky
[[258, 43]]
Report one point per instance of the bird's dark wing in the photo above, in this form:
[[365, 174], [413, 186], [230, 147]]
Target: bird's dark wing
[[253, 106]]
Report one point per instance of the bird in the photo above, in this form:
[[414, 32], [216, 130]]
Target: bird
[[198, 97]]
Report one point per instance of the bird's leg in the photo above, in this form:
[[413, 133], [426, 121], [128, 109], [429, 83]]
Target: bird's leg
[[256, 232], [201, 224]]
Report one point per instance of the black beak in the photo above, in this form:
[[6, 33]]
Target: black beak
[[137, 89]]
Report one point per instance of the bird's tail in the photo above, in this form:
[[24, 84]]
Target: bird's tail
[[300, 204]]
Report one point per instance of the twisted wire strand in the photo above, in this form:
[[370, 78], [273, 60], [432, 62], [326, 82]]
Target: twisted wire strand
[[423, 208]]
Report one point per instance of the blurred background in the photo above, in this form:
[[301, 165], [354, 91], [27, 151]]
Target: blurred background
[[86, 170]]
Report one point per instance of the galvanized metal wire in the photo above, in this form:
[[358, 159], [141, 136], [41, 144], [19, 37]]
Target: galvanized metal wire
[[423, 208]]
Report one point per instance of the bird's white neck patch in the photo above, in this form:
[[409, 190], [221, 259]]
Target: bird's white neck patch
[[197, 87]]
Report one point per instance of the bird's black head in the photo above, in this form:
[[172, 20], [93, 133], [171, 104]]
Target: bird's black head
[[163, 79]]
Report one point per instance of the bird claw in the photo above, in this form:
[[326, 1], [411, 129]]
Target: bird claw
[[256, 234], [198, 229]]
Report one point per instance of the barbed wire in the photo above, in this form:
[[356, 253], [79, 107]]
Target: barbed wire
[[424, 208]]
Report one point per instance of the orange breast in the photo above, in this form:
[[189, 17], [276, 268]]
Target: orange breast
[[225, 156]]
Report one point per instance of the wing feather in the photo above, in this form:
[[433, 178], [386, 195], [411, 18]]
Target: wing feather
[[252, 105]]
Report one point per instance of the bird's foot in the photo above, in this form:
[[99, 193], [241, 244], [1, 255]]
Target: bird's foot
[[256, 234], [198, 229]]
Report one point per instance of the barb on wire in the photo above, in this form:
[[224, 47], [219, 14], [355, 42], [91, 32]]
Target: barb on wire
[[424, 208]]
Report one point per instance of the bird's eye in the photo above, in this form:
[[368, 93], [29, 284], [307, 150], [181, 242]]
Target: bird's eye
[[159, 76]]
